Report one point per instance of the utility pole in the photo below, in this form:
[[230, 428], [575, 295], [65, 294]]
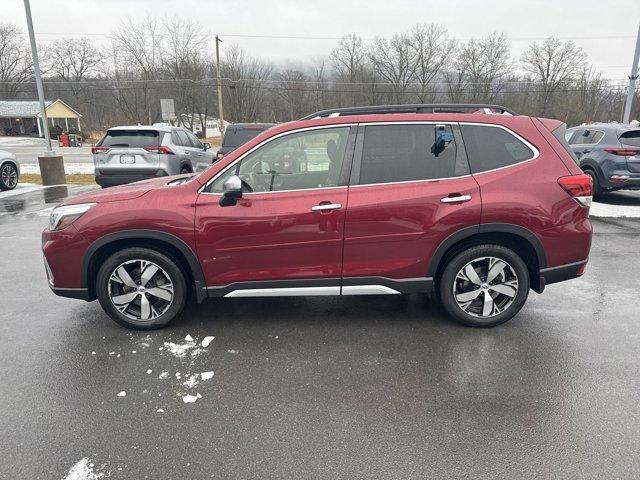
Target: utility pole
[[219, 83], [631, 92], [36, 70]]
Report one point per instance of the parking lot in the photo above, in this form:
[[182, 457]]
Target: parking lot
[[320, 387]]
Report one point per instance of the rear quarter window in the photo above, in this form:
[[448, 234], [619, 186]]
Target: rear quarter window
[[632, 137], [560, 134], [234, 137], [490, 147], [130, 138]]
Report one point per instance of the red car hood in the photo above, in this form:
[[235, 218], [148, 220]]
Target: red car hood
[[122, 192]]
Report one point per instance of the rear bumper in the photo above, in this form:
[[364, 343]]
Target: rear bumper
[[110, 179], [561, 273], [632, 182]]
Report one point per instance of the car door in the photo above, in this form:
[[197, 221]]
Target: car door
[[201, 158], [410, 189], [188, 155], [287, 229]]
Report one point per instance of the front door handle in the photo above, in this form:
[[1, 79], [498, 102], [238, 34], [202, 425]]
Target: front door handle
[[456, 199], [323, 207]]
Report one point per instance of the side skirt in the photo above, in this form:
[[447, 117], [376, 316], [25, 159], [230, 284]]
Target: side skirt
[[323, 287]]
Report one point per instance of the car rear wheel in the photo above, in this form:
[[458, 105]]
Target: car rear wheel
[[597, 188], [141, 288], [8, 176], [484, 286]]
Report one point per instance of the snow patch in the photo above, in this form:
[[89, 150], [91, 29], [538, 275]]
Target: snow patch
[[188, 338], [191, 382], [191, 398], [122, 394], [149, 372], [206, 375], [83, 470], [160, 410], [207, 340], [163, 375], [232, 352]]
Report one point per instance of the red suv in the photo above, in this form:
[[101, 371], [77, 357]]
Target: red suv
[[361, 201]]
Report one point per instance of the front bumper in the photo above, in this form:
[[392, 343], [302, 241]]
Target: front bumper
[[63, 252]]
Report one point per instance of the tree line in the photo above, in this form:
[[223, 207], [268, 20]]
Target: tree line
[[170, 57]]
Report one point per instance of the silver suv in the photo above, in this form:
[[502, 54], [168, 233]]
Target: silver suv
[[129, 154]]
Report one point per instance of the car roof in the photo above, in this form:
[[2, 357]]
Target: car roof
[[250, 126], [160, 128], [609, 127]]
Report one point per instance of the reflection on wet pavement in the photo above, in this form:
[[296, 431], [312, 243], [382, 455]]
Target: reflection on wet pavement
[[33, 202]]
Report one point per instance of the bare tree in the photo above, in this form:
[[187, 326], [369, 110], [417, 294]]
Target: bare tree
[[394, 60], [73, 60], [137, 56], [554, 64], [433, 49], [480, 68], [244, 80], [15, 62]]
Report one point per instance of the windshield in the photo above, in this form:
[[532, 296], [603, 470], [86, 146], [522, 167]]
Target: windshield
[[234, 137], [130, 138]]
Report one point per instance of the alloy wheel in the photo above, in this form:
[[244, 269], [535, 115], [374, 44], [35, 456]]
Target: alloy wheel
[[485, 287], [140, 290], [9, 176]]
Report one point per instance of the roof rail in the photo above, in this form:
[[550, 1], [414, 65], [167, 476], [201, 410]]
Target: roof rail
[[409, 108]]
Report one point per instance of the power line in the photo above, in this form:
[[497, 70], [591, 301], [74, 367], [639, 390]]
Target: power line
[[323, 37]]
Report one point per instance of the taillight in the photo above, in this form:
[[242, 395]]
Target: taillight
[[99, 149], [623, 152], [579, 187], [161, 150]]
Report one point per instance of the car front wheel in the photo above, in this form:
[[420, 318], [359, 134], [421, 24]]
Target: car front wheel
[[484, 286], [141, 288]]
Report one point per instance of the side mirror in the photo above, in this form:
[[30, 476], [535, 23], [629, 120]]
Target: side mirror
[[231, 191], [207, 146], [442, 138]]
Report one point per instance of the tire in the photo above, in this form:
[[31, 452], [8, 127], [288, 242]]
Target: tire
[[597, 188], [160, 307], [8, 176], [185, 169], [502, 306]]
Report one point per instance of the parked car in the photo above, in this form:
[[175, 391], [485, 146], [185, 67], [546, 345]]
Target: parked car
[[9, 170], [130, 154], [237, 134], [390, 200], [609, 153]]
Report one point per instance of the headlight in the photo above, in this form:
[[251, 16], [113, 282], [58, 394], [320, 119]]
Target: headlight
[[62, 217]]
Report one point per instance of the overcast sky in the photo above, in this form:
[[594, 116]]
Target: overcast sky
[[521, 20]]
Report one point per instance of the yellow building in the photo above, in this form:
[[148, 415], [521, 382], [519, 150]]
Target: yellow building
[[22, 117]]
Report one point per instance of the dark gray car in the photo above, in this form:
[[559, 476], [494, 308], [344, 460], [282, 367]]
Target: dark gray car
[[609, 153], [238, 134], [129, 154]]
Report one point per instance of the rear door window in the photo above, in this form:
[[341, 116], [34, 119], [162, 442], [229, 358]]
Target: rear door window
[[399, 153], [588, 137], [490, 147], [632, 138], [130, 139]]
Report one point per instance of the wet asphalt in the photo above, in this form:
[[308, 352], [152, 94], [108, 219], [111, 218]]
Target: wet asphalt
[[383, 387]]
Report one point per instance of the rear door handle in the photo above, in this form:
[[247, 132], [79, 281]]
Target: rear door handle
[[323, 207], [456, 199]]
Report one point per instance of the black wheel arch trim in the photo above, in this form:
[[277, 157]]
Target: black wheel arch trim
[[469, 232], [595, 166], [189, 254]]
